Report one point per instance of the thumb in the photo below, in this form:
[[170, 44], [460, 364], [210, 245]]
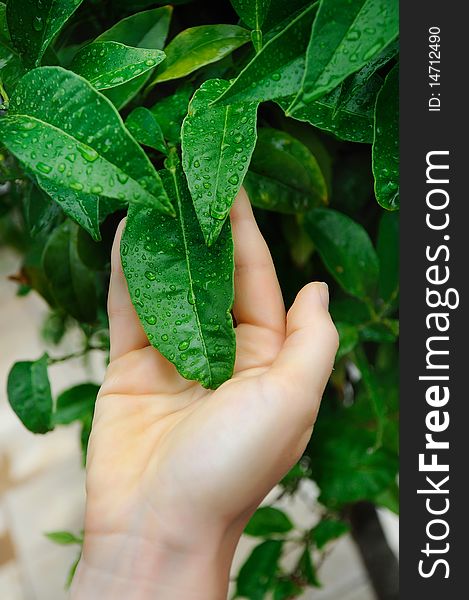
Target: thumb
[[305, 361]]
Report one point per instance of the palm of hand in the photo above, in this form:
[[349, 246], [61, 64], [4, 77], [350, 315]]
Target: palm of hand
[[165, 452]]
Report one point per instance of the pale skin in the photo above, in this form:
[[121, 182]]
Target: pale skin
[[175, 471]]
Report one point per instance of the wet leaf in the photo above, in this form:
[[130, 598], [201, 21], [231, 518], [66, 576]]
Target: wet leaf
[[217, 144], [147, 29], [284, 175], [181, 289], [386, 143], [170, 112], [75, 403], [199, 46], [257, 575], [145, 128], [276, 70], [82, 208], [268, 520], [346, 250], [109, 64], [252, 12], [71, 283], [351, 86], [350, 119], [33, 24], [76, 140], [346, 35], [29, 394]]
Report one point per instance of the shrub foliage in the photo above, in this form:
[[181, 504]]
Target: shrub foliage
[[163, 112]]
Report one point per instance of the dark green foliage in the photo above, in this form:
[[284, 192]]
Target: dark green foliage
[[163, 112]]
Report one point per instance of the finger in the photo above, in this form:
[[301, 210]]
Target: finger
[[125, 331], [258, 298], [305, 362]]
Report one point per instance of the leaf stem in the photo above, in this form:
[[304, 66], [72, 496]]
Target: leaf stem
[[78, 354]]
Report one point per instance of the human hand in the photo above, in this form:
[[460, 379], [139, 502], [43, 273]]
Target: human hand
[[174, 471]]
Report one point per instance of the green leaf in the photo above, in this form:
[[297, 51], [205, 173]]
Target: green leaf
[[52, 129], [64, 538], [82, 208], [41, 213], [279, 10], [276, 70], [182, 290], [198, 46], [252, 12], [85, 433], [75, 403], [145, 128], [284, 175], [72, 571], [268, 520], [147, 29], [286, 589], [33, 25], [346, 464], [346, 250], [11, 67], [71, 283], [386, 143], [346, 35], [109, 64], [257, 576], [327, 530], [305, 569], [217, 144], [387, 247], [351, 86], [170, 112], [29, 394], [350, 119], [348, 337]]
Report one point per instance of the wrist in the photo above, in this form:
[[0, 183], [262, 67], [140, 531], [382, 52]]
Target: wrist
[[138, 568]]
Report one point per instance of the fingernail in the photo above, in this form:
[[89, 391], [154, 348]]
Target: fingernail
[[324, 294]]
